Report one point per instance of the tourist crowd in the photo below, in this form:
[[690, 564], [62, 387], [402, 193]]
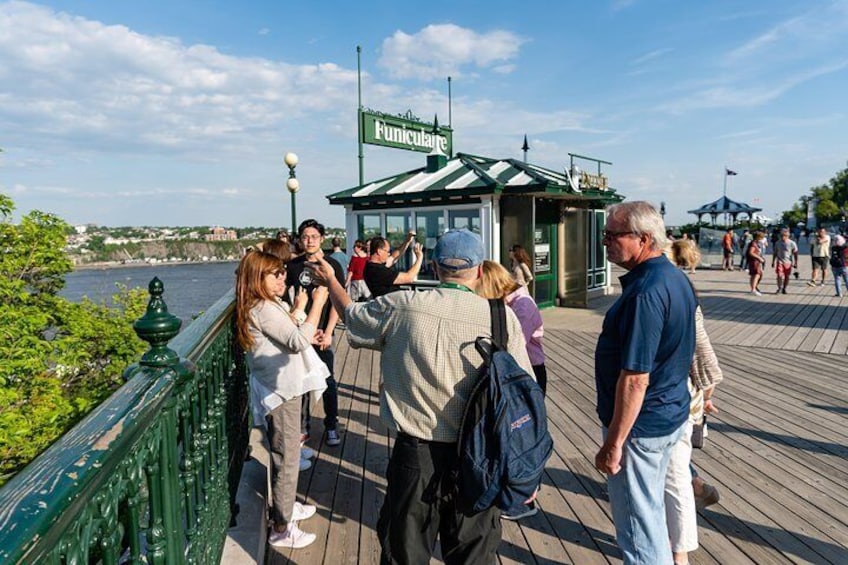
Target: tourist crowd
[[655, 373]]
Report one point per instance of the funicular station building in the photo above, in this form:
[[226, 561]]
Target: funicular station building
[[558, 217]]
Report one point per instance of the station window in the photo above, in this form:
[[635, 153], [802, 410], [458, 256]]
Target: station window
[[468, 219], [368, 226], [428, 226], [397, 226]]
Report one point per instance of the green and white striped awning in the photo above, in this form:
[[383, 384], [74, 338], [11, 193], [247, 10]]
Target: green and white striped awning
[[464, 179]]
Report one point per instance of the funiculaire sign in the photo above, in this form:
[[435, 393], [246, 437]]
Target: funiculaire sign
[[404, 132]]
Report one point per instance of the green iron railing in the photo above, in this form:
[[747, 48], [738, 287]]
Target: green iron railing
[[150, 475]]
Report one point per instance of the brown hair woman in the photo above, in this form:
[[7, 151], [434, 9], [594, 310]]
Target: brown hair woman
[[520, 265], [283, 367]]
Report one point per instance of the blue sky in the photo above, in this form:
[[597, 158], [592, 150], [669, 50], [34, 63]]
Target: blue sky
[[179, 112]]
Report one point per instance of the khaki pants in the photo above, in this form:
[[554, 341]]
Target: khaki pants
[[284, 439]]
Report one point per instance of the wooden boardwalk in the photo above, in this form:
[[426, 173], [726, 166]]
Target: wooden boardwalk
[[777, 451]]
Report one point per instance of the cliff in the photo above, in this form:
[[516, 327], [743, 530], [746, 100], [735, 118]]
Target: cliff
[[172, 250]]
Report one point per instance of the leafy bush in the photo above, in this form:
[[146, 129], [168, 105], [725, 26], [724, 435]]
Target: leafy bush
[[60, 359]]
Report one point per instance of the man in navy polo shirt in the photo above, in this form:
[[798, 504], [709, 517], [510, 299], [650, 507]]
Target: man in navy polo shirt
[[641, 370]]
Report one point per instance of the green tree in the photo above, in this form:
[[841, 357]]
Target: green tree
[[60, 359], [832, 201]]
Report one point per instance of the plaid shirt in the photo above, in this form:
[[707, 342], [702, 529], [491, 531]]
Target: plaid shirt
[[429, 363]]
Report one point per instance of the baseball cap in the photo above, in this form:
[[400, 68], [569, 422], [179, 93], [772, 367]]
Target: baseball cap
[[458, 249]]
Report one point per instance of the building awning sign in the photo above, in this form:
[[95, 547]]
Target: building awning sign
[[404, 132]]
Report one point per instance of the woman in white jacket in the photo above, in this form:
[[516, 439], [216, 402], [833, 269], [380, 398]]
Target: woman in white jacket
[[283, 366]]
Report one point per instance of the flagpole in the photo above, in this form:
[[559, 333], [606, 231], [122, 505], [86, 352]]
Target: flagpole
[[450, 114], [359, 112], [724, 193]]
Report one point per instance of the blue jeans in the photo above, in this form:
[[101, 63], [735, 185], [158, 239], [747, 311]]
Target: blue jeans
[[636, 495], [840, 274]]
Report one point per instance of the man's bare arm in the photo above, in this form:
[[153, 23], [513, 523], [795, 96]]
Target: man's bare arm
[[409, 276], [629, 396]]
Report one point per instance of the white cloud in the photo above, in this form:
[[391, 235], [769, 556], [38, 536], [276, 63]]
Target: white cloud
[[751, 92], [650, 55], [441, 50], [774, 61], [108, 88], [264, 31]]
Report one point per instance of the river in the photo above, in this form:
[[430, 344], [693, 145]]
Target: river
[[189, 288]]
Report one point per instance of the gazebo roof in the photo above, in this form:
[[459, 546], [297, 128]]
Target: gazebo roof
[[725, 205], [466, 177]]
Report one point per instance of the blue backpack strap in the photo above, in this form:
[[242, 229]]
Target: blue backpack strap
[[500, 335]]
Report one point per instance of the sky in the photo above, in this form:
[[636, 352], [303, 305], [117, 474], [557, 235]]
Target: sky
[[179, 112]]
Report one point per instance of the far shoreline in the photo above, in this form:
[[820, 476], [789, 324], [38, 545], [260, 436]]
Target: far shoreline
[[106, 265]]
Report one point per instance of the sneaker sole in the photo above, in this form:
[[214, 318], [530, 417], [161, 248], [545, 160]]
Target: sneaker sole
[[527, 514], [301, 542]]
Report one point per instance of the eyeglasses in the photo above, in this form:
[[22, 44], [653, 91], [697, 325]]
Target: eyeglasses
[[607, 234], [277, 273], [310, 237]]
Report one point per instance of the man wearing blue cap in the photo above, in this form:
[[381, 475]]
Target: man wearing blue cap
[[429, 365]]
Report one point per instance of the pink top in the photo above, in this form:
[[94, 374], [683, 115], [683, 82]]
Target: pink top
[[531, 323]]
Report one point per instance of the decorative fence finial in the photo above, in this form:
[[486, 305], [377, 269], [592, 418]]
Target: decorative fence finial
[[157, 327]]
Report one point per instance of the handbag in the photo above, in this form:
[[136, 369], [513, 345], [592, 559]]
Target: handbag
[[699, 434]]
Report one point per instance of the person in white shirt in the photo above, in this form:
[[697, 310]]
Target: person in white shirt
[[820, 252], [283, 367]]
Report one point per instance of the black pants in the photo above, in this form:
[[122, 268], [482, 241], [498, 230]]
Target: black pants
[[330, 398], [419, 506], [541, 377]]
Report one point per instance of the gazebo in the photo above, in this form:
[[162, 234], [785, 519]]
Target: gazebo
[[724, 205]]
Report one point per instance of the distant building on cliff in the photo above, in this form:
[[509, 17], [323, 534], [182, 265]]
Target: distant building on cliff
[[221, 234]]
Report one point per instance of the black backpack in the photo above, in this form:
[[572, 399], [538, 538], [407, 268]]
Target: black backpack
[[837, 257], [503, 439]]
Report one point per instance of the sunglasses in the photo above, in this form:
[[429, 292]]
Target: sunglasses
[[277, 273], [611, 234]]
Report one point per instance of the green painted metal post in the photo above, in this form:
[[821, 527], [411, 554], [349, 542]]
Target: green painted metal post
[[294, 216], [361, 155], [157, 327]]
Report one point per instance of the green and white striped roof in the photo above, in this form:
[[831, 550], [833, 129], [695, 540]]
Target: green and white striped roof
[[464, 178]]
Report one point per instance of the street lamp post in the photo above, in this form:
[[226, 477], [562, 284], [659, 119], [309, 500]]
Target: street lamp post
[[293, 186]]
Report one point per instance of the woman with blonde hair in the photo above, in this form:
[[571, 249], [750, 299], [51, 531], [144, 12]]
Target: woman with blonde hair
[[283, 366], [497, 282], [685, 254], [520, 265]]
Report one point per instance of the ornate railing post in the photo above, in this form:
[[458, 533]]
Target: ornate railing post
[[157, 327]]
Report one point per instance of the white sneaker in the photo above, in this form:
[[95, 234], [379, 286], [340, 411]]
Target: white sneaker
[[303, 511], [756, 293], [307, 453], [293, 538], [305, 464]]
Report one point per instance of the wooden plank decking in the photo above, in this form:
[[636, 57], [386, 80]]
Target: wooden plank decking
[[777, 451]]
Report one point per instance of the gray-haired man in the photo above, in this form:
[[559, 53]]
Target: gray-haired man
[[641, 373]]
